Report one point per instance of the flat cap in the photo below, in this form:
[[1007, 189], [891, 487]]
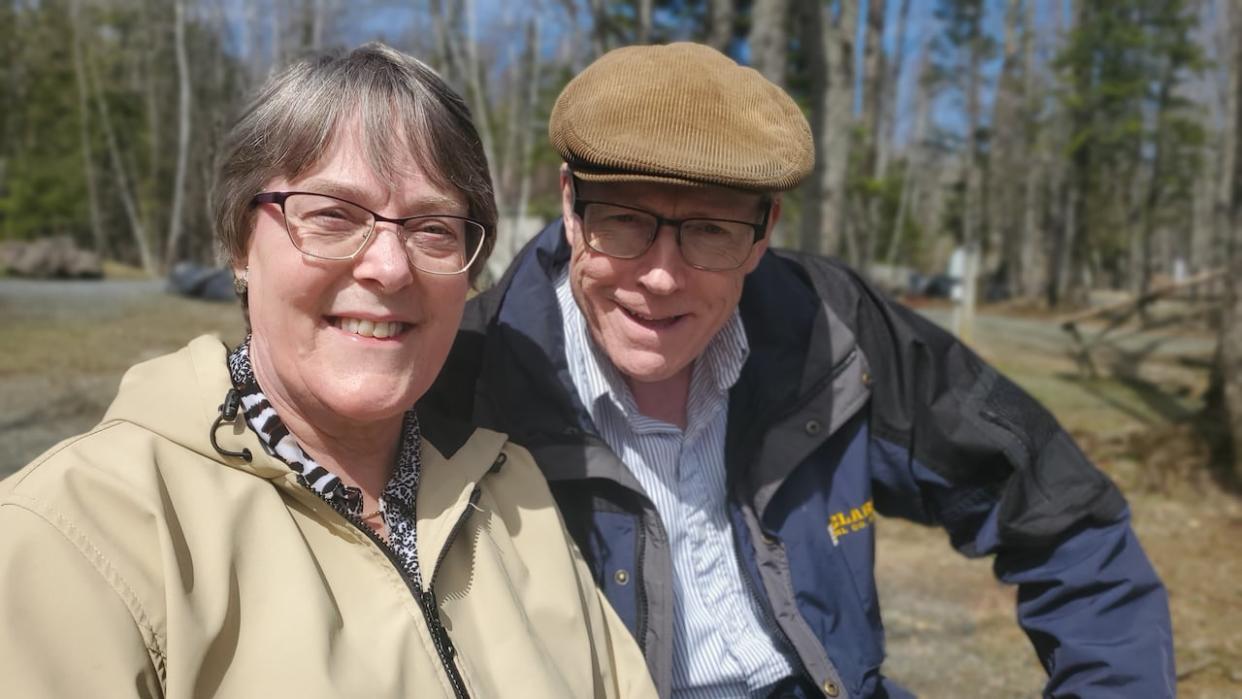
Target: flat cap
[[682, 113]]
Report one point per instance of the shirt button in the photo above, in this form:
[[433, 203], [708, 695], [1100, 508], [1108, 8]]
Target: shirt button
[[831, 688], [622, 576], [813, 427], [866, 378]]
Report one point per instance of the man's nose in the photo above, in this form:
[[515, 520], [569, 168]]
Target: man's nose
[[663, 267]]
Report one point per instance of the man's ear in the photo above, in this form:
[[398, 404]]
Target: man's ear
[[567, 204]]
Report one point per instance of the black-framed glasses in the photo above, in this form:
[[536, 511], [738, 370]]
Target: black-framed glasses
[[332, 228], [626, 232]]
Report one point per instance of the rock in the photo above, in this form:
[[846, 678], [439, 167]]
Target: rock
[[54, 257]]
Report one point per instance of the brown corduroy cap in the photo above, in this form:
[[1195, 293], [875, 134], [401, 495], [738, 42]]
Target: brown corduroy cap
[[681, 113]]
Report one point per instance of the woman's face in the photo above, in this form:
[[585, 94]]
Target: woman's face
[[313, 347]]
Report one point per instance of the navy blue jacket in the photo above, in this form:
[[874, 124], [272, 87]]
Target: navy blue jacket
[[848, 405]]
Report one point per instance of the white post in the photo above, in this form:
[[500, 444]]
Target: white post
[[964, 267]]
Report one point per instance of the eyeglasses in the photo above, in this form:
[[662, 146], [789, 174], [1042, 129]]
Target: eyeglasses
[[711, 244], [331, 228]]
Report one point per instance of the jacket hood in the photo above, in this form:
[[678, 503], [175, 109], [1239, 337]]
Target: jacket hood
[[157, 396]]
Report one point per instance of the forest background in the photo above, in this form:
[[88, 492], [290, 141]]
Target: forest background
[[1089, 152]]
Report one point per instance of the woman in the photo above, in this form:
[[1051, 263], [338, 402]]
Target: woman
[[276, 520]]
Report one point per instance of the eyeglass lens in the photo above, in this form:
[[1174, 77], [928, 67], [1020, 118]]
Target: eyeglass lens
[[326, 227], [626, 233]]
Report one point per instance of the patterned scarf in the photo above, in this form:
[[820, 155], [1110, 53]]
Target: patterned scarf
[[396, 502]]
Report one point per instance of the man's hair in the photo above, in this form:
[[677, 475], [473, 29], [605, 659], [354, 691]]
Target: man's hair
[[404, 110]]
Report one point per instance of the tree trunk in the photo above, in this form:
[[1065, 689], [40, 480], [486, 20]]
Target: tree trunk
[[1152, 198], [767, 37], [874, 73], [155, 116], [971, 207], [720, 24], [528, 118], [892, 93], [84, 131], [123, 185], [643, 33], [1004, 157], [468, 57], [1064, 279], [600, 29], [175, 227], [914, 159], [839, 49], [1025, 262], [811, 19], [1230, 347]]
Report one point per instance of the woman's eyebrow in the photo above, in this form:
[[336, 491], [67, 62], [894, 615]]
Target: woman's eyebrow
[[430, 203]]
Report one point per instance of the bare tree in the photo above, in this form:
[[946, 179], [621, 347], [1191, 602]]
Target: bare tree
[[123, 184], [720, 24], [915, 158], [84, 130], [839, 37], [811, 20], [768, 40], [828, 43], [600, 27], [175, 226], [875, 72], [974, 78], [1230, 346], [1007, 152], [643, 33], [1027, 274], [890, 96], [1069, 185]]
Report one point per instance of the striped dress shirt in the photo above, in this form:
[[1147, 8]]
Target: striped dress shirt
[[725, 643]]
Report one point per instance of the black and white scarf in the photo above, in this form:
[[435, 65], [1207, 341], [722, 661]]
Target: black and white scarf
[[396, 502]]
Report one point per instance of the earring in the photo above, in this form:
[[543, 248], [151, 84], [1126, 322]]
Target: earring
[[239, 282]]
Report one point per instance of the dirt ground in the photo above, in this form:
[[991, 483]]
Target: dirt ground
[[951, 630]]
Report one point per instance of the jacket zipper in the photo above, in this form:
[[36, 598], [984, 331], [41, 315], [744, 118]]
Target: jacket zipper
[[758, 586], [426, 600]]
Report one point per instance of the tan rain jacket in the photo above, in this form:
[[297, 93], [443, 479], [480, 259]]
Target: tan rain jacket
[[137, 561]]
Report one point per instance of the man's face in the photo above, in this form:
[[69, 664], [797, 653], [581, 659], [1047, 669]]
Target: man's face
[[654, 314]]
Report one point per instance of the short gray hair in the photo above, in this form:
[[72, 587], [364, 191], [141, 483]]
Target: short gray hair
[[295, 117]]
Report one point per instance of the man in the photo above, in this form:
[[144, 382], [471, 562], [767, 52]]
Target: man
[[720, 423]]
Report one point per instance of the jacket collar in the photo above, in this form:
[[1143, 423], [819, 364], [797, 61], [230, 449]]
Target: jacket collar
[[797, 342], [190, 385]]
